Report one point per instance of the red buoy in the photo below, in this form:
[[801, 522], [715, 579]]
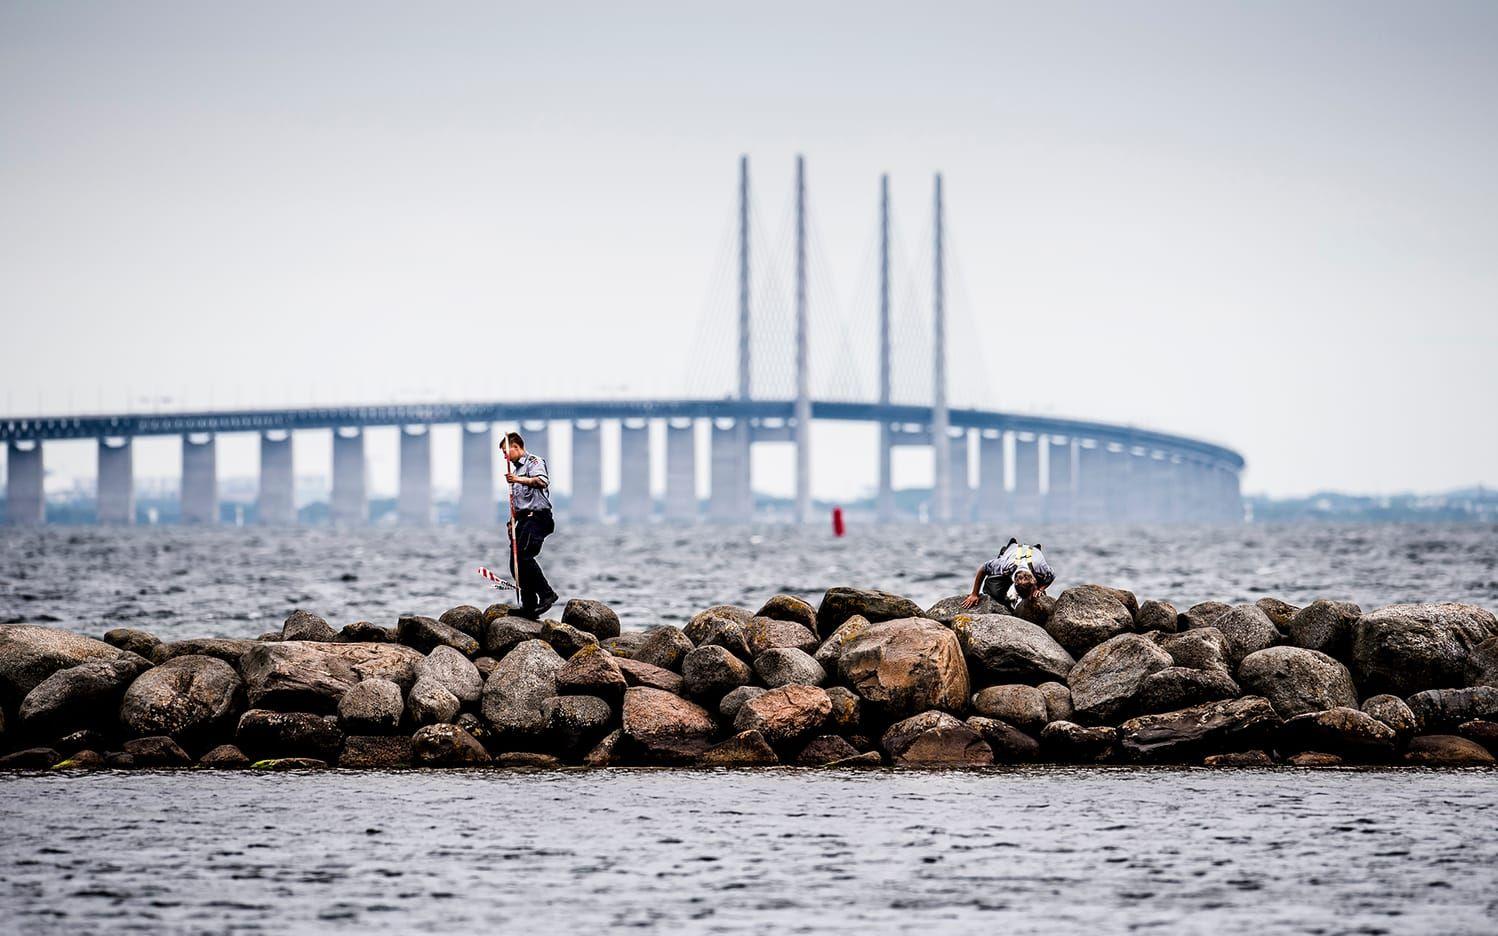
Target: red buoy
[[837, 522]]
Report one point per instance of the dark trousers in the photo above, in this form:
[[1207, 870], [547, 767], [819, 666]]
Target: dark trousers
[[531, 530]]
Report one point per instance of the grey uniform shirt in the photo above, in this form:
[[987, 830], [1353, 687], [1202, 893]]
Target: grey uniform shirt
[[526, 497]]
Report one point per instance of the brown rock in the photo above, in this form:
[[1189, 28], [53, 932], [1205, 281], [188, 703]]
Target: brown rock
[[1192, 733], [302, 676], [1280, 613], [664, 727], [220, 648], [35, 758], [1036, 609], [1344, 731], [1071, 742], [527, 759], [1157, 616], [606, 752], [289, 763], [745, 749], [1391, 710], [1023, 707], [566, 639], [825, 749], [591, 671], [1239, 759], [595, 617], [665, 647], [866, 759], [1325, 626], [375, 752], [638, 673], [785, 715], [1447, 751], [157, 751], [1314, 759], [1202, 614], [832, 648], [839, 604], [790, 608], [709, 672], [935, 739], [425, 635], [906, 666], [29, 654], [304, 625], [1480, 730], [139, 642], [466, 618], [1008, 743], [446, 746], [262, 733], [224, 757], [764, 633], [190, 698]]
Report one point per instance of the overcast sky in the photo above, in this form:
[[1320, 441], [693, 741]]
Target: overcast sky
[[1270, 224]]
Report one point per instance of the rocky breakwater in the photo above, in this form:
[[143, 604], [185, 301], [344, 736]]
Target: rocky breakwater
[[863, 679]]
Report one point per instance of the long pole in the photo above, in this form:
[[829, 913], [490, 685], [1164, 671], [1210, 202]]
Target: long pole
[[803, 382], [886, 505], [941, 444]]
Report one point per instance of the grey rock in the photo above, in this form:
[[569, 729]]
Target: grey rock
[[577, 722], [847, 710], [1108, 677], [304, 625], [371, 707], [790, 608], [1037, 609], [1072, 743], [729, 635], [1482, 664], [1178, 687], [139, 642], [1202, 614], [1191, 733], [935, 739], [709, 672], [666, 647], [229, 650], [1009, 744], [595, 617], [1345, 732], [1058, 705], [429, 703], [262, 734], [1203, 648], [1280, 613], [1157, 616], [832, 647], [1087, 615], [78, 697], [514, 693], [1392, 711], [505, 633], [304, 676], [1011, 650], [1023, 707], [1439, 711], [445, 745], [1403, 649], [947, 609], [637, 673], [728, 706], [29, 654], [782, 666], [452, 671], [424, 635], [764, 633], [189, 698], [1297, 681], [566, 639], [704, 622], [466, 618], [839, 604], [1248, 630], [364, 632], [1325, 626]]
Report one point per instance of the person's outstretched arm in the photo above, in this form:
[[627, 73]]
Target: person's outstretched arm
[[972, 598]]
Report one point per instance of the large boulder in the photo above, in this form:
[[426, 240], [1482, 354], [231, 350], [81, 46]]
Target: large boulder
[[1325, 626], [665, 728], [1447, 751], [782, 666], [514, 692], [506, 632], [1178, 687], [429, 703], [228, 649], [1202, 648], [1441, 710], [1087, 615], [224, 757], [591, 671], [1009, 649], [263, 733], [371, 707], [1403, 649], [666, 647], [935, 739], [764, 633], [1343, 731], [839, 604], [745, 749], [452, 671], [1297, 681], [1108, 677], [78, 697], [466, 618], [446, 745], [1008, 744], [784, 715], [304, 625], [1248, 630], [947, 609], [1392, 711], [905, 666], [142, 643], [595, 617], [425, 634], [577, 722], [1022, 706], [1192, 733], [709, 672], [790, 608], [29, 654], [303, 676], [188, 698]]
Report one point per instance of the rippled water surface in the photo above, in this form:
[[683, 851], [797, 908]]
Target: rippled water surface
[[180, 582], [1032, 850], [1100, 850]]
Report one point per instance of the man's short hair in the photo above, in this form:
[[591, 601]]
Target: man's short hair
[[514, 438]]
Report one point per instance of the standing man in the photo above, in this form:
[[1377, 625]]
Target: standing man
[[530, 498]]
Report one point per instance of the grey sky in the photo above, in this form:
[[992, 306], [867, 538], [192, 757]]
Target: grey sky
[[1269, 224]]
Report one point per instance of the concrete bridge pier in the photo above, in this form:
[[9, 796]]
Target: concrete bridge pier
[[276, 504], [1058, 498], [537, 434], [726, 500], [1027, 506], [25, 494], [634, 472], [959, 487], [992, 498], [116, 488], [476, 504], [1088, 484], [884, 504], [349, 504], [413, 504], [681, 470], [1115, 482], [587, 473], [200, 479], [1232, 494]]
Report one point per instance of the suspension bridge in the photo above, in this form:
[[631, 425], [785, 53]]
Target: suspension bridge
[[1028, 468]]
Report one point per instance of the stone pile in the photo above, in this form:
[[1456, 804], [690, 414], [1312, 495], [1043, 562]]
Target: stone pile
[[863, 679]]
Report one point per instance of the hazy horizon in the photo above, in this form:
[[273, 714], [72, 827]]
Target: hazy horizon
[[1270, 226]]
